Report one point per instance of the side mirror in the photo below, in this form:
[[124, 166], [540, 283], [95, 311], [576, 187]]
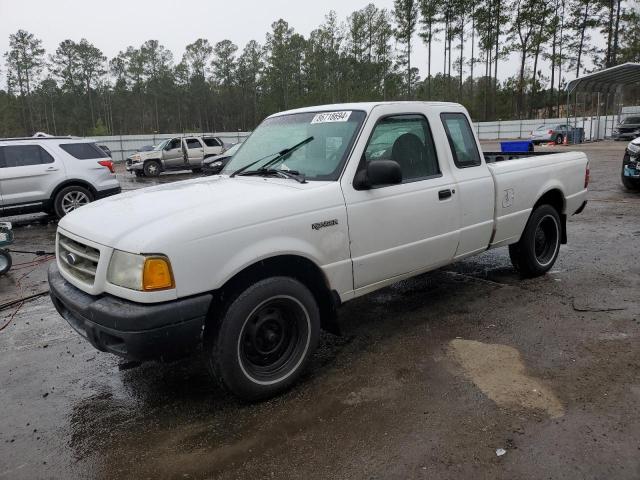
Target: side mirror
[[378, 172]]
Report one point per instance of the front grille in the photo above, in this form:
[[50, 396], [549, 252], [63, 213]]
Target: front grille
[[77, 259]]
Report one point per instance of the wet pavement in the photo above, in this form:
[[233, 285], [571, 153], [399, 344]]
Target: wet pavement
[[430, 377]]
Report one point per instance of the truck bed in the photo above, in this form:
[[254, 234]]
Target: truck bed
[[519, 184], [493, 157]]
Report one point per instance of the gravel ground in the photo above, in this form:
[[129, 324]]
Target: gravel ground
[[429, 379]]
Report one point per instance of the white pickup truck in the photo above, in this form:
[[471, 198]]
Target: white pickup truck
[[319, 206]]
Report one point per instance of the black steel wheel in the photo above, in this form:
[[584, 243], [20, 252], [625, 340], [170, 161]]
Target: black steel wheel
[[266, 338], [538, 248]]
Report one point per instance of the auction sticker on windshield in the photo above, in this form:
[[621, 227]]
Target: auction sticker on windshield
[[330, 117]]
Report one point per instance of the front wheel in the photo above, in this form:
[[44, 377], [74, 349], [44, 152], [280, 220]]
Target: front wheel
[[71, 198], [151, 169], [265, 338], [538, 248], [559, 140]]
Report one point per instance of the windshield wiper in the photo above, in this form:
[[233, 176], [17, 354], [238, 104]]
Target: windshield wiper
[[300, 177], [280, 155]]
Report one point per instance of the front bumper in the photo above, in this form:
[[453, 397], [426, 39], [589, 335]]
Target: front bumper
[[130, 166], [135, 331]]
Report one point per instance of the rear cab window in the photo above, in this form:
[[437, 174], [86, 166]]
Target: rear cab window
[[211, 142], [83, 151], [461, 140], [23, 156]]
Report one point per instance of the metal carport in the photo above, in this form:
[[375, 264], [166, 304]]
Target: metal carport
[[607, 81]]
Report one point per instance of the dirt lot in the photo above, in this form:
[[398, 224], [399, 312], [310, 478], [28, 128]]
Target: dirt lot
[[430, 377]]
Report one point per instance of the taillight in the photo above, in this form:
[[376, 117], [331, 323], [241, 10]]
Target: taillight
[[550, 132], [108, 164], [587, 176]]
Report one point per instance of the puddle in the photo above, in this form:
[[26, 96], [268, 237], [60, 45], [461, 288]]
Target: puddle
[[499, 372]]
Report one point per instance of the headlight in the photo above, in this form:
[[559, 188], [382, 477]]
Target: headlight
[[136, 158], [217, 164], [139, 272]]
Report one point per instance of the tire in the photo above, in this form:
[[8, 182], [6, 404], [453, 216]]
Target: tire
[[5, 261], [559, 139], [538, 248], [151, 168], [70, 198], [265, 339]]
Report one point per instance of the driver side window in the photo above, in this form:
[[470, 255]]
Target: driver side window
[[405, 139], [173, 144]]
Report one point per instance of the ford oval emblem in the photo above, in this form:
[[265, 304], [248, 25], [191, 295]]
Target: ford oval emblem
[[70, 258]]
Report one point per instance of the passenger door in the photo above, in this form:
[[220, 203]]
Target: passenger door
[[406, 228], [475, 184], [195, 152], [172, 155], [28, 174]]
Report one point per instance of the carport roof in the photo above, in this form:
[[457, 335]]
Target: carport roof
[[608, 79]]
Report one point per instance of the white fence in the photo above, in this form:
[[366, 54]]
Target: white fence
[[595, 128], [122, 146]]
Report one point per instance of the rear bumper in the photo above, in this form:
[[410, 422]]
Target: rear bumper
[[131, 330], [108, 192]]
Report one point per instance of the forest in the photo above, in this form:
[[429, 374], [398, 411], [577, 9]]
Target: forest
[[219, 86]]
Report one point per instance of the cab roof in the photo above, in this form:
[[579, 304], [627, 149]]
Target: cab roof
[[367, 107]]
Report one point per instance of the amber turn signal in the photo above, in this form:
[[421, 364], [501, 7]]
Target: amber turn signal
[[157, 274]]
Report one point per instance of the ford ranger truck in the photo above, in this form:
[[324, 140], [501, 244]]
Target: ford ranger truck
[[319, 206]]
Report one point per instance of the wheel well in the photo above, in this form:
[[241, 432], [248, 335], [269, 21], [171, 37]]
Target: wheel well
[[71, 183], [300, 268], [555, 198]]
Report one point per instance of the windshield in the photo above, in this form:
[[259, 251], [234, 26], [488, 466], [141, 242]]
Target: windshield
[[233, 150], [321, 158], [629, 120], [541, 127], [161, 145]]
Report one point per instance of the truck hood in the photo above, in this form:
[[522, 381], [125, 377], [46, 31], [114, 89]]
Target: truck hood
[[148, 219]]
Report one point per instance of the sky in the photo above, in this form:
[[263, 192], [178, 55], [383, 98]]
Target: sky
[[113, 25]]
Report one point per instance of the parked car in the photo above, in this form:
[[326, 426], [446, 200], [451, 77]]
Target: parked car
[[627, 129], [321, 205], [53, 174], [554, 133], [214, 165], [179, 153], [631, 165]]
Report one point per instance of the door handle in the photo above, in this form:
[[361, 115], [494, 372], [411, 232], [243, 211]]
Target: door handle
[[52, 169], [444, 194]]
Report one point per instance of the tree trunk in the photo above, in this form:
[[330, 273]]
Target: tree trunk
[[614, 54]]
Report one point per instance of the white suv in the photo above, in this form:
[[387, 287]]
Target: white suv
[[53, 174]]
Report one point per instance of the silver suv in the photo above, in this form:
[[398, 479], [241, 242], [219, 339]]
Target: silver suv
[[53, 174]]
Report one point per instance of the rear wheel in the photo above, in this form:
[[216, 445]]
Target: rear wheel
[[71, 198], [559, 139], [5, 261], [138, 173], [151, 168], [266, 338], [538, 248]]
